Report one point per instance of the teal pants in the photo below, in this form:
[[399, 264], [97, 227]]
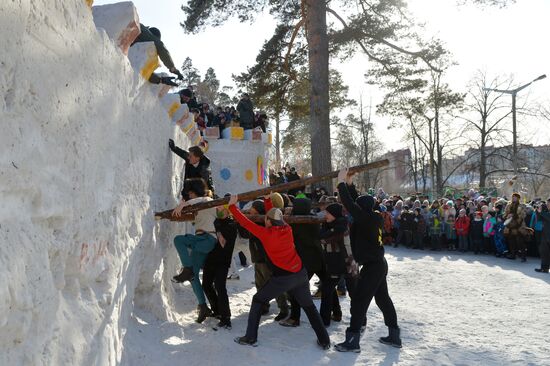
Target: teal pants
[[193, 250]]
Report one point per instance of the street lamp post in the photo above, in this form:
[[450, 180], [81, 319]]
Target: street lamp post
[[514, 93]]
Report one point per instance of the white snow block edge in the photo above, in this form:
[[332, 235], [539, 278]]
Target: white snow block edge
[[120, 21]]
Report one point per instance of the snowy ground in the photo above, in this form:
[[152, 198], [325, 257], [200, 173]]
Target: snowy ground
[[453, 310]]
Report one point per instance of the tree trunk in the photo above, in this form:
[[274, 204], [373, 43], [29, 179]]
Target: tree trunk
[[317, 40], [482, 162], [415, 160], [278, 140]]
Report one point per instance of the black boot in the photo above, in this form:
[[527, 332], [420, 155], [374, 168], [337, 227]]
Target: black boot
[[541, 270], [336, 316], [186, 274], [202, 313], [245, 341], [282, 315], [224, 323], [351, 344], [393, 339]]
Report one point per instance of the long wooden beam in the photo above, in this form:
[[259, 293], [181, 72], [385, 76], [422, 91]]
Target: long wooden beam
[[289, 219], [249, 196]]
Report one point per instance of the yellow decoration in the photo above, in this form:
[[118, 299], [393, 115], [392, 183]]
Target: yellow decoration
[[236, 133], [173, 109], [249, 175], [89, 3], [150, 66], [260, 170]]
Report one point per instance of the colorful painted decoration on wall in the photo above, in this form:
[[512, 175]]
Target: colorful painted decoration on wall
[[249, 175], [260, 170], [225, 174]]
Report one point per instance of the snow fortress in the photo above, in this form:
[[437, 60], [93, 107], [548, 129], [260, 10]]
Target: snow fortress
[[239, 165], [84, 163]]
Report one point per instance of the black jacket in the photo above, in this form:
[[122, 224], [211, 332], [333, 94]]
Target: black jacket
[[306, 238], [222, 255], [545, 216], [202, 170], [476, 229], [246, 113], [407, 220], [334, 249], [366, 229]]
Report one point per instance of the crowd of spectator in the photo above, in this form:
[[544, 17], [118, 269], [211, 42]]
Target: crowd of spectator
[[222, 117]]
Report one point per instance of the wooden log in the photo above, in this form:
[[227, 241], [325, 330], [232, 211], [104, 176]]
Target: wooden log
[[167, 215], [289, 219], [249, 196]]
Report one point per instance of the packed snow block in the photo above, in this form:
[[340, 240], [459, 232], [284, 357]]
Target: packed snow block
[[253, 135], [171, 102], [181, 115], [195, 137], [120, 21], [163, 90], [233, 133], [212, 132], [188, 124], [267, 138], [144, 58]]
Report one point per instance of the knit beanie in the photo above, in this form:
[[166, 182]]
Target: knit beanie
[[335, 209], [259, 206]]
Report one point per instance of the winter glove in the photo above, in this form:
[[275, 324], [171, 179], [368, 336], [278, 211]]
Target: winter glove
[[168, 80], [177, 72], [171, 144], [343, 175], [352, 266]]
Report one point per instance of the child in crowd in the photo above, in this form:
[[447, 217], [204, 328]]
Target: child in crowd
[[407, 226], [476, 230], [500, 242], [388, 224], [420, 229], [462, 227], [435, 225], [450, 233], [488, 232]]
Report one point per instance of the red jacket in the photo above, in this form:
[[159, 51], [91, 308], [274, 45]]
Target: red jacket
[[277, 241], [462, 225]]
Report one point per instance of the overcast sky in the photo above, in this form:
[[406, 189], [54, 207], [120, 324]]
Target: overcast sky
[[511, 41]]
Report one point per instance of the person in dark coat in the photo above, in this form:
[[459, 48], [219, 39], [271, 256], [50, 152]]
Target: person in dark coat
[[333, 234], [407, 225], [368, 251], [246, 112], [476, 232], [216, 267], [308, 246], [152, 34], [187, 97], [197, 165], [544, 247], [419, 229]]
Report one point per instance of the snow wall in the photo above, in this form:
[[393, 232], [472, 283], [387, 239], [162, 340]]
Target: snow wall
[[84, 163]]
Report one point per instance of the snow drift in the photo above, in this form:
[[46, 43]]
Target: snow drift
[[84, 163]]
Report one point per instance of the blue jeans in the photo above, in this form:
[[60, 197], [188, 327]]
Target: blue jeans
[[200, 246]]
